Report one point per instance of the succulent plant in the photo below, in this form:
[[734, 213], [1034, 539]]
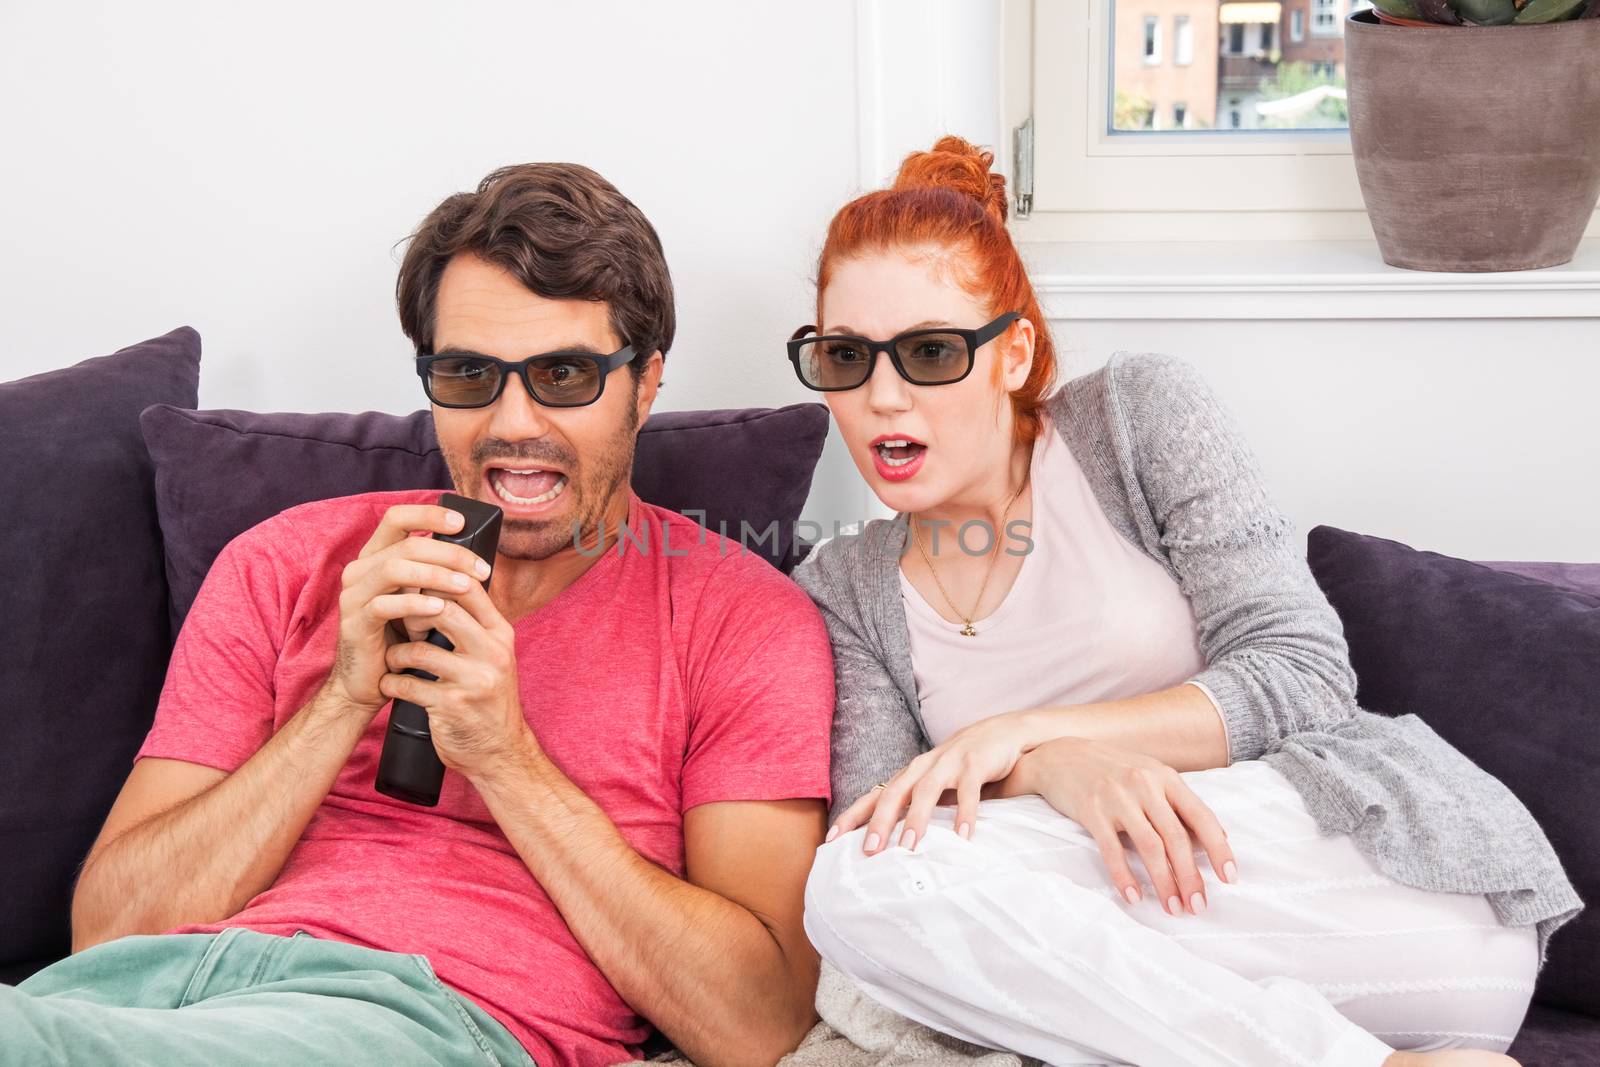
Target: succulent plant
[[1489, 12]]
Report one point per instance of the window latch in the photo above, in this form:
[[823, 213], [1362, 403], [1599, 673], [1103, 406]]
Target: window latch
[[1022, 166]]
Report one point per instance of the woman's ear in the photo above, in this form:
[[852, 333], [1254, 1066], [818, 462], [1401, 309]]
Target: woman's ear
[[1016, 357]]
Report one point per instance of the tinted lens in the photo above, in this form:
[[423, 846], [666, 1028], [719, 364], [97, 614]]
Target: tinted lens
[[834, 363], [563, 381], [931, 358], [462, 380]]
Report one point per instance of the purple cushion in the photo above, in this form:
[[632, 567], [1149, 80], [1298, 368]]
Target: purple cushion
[[1505, 668], [220, 472], [1584, 577], [83, 664], [1553, 1038]]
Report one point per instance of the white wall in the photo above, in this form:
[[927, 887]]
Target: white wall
[[249, 171], [1478, 439]]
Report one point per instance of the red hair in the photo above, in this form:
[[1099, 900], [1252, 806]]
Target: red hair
[[948, 198]]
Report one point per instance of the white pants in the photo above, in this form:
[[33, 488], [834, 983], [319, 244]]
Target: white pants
[[1017, 939]]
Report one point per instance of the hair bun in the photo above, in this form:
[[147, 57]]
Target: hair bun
[[953, 163]]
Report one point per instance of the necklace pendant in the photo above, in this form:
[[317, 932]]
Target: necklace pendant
[[968, 631]]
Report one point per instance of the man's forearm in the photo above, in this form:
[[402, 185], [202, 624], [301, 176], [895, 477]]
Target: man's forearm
[[1178, 726], [202, 860], [702, 968]]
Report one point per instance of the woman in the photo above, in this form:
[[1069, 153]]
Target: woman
[[1174, 837]]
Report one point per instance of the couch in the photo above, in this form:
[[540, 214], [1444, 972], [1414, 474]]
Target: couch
[[121, 492]]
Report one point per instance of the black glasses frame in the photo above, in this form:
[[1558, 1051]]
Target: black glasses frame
[[975, 340], [519, 368]]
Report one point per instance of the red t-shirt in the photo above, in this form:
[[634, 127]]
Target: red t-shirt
[[657, 681]]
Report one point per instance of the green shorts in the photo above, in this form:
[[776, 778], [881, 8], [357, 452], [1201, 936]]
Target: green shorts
[[239, 997]]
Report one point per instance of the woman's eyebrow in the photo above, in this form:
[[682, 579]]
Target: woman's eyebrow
[[918, 326]]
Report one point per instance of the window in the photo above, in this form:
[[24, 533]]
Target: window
[[1260, 149], [1325, 19], [1297, 24], [1089, 139], [1182, 41], [1268, 89]]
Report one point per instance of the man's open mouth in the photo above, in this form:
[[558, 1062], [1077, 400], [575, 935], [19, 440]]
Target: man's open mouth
[[526, 486]]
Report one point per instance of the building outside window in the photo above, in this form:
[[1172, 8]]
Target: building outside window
[[1325, 19]]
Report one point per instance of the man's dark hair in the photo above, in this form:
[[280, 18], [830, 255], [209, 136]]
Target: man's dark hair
[[561, 230]]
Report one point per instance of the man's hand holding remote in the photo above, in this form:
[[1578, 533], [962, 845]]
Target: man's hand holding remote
[[402, 580]]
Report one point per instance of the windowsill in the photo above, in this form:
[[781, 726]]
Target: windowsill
[[1293, 280]]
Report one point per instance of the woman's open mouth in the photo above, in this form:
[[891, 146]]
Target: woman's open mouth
[[897, 458], [526, 490]]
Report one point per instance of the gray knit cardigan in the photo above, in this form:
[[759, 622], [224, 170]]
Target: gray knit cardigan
[[1173, 474]]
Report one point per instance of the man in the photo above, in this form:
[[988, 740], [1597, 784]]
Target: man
[[636, 727]]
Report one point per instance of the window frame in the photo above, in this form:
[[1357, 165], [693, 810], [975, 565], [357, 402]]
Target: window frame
[[1089, 183]]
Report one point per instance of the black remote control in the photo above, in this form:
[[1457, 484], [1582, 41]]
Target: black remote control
[[409, 768]]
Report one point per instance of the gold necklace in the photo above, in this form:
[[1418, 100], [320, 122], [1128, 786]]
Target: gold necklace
[[994, 557]]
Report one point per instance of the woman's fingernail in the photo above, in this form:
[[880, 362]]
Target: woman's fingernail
[[908, 839], [965, 830], [1131, 893], [872, 842], [833, 832], [1174, 905], [1198, 903], [1230, 872]]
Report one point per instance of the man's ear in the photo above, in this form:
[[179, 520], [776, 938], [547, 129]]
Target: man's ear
[[649, 384], [1017, 360]]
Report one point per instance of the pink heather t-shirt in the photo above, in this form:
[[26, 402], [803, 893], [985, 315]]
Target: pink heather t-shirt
[[657, 681], [1090, 617]]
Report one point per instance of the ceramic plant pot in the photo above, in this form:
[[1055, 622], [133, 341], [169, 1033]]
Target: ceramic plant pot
[[1477, 147]]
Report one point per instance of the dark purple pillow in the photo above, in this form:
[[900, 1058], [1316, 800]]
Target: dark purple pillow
[[220, 472], [1507, 669], [82, 665], [1584, 577]]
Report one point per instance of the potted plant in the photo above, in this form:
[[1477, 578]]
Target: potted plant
[[1475, 126]]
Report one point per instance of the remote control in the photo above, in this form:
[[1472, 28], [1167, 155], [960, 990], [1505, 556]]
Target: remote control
[[409, 768]]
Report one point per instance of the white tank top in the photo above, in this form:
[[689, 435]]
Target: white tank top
[[1090, 617]]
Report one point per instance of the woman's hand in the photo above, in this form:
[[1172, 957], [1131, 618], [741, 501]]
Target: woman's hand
[[1108, 789], [984, 752]]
